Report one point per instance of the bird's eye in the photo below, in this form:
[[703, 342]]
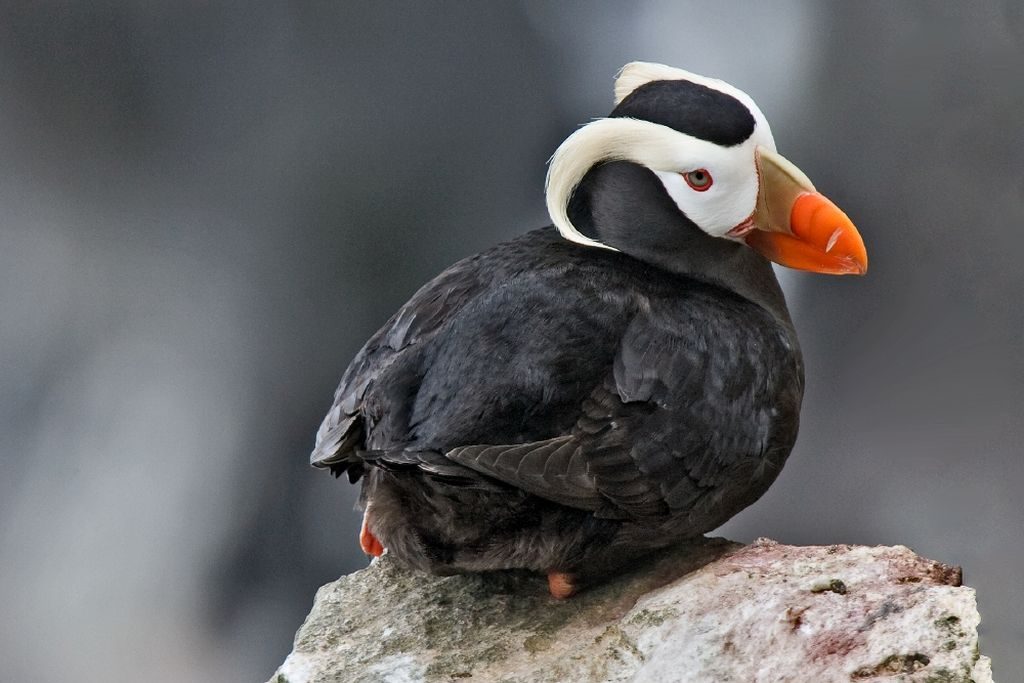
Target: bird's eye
[[699, 180]]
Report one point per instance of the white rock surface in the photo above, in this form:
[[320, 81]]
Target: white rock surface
[[713, 611]]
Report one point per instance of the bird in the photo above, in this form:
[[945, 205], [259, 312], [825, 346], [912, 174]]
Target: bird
[[622, 380]]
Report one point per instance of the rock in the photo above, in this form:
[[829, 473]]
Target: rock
[[711, 611]]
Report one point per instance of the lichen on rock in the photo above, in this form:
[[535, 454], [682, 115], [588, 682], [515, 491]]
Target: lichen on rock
[[708, 611]]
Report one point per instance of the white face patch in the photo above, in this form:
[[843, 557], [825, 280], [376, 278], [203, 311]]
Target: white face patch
[[732, 196], [668, 153]]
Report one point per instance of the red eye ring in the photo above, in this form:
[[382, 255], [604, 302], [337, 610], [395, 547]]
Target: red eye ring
[[699, 180]]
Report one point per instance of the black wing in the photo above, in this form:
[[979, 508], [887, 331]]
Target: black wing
[[389, 351], [502, 346], [698, 413]]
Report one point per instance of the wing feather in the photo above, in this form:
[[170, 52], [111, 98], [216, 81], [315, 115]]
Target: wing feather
[[342, 433], [690, 402]]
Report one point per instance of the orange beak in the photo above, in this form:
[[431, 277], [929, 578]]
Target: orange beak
[[797, 227]]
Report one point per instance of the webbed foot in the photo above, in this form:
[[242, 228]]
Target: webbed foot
[[561, 585], [367, 541]]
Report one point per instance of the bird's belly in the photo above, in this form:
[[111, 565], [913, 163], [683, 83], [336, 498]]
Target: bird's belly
[[444, 529]]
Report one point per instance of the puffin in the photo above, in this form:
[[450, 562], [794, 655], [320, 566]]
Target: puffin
[[620, 381]]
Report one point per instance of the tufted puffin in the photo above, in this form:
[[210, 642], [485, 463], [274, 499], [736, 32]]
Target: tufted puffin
[[626, 378]]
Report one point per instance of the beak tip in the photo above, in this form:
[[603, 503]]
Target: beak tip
[[857, 264], [830, 235], [860, 258]]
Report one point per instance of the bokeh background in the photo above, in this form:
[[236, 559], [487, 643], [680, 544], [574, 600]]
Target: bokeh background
[[206, 208]]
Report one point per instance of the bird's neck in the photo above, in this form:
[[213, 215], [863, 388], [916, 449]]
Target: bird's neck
[[625, 206], [734, 267]]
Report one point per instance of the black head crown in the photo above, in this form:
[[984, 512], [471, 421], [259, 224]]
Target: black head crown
[[690, 108]]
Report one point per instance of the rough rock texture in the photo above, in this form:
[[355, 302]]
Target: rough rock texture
[[714, 611]]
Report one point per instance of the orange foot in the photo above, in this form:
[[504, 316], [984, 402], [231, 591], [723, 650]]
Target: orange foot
[[367, 541], [561, 585]]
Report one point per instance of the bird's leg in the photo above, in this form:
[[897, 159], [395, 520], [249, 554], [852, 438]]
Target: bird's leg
[[561, 585], [367, 541]]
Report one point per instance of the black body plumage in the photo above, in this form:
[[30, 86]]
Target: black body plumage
[[555, 407]]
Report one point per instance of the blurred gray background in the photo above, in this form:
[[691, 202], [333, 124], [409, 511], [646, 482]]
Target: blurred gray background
[[205, 209]]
